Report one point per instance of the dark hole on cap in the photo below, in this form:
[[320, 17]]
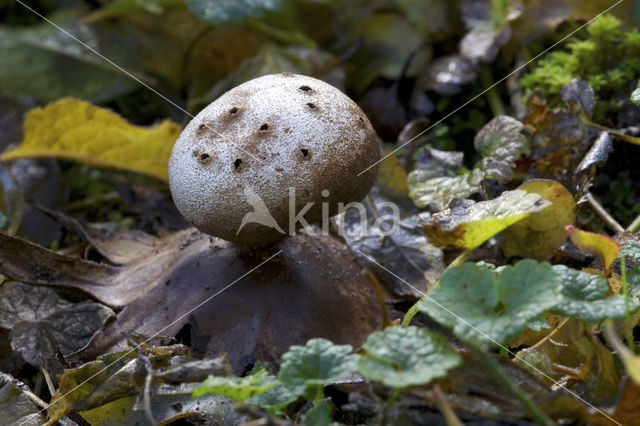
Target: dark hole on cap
[[202, 126], [305, 151], [265, 126], [237, 163], [233, 110], [304, 88], [361, 119], [204, 157], [310, 105]]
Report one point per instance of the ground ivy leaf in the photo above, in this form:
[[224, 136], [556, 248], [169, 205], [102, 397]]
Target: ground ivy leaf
[[439, 191], [16, 408], [73, 129], [406, 356], [320, 415], [540, 234], [22, 302], [600, 245], [635, 96], [273, 401], [231, 11], [499, 304], [468, 224], [500, 142], [583, 297], [319, 362], [68, 329], [630, 251], [238, 388]]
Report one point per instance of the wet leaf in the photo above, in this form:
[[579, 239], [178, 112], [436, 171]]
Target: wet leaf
[[306, 369], [499, 304], [314, 278], [596, 156], [403, 249], [441, 190], [66, 330], [40, 61], [42, 323], [75, 130], [540, 234], [599, 245], [630, 251], [406, 356], [559, 143], [17, 409], [584, 297], [231, 11], [238, 388], [579, 97], [104, 391], [468, 224], [500, 142]]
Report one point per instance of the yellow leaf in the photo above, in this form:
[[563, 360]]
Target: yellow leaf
[[73, 129], [600, 245], [393, 177], [540, 234]]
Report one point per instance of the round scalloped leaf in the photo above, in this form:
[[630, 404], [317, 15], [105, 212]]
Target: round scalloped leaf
[[493, 306], [406, 356], [468, 224], [237, 388], [319, 362], [540, 234], [583, 297]]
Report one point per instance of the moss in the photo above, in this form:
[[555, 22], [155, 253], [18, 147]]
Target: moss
[[606, 55]]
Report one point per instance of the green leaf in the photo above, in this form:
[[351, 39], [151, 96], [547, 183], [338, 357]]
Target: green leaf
[[275, 400], [43, 62], [635, 96], [72, 129], [630, 251], [320, 415], [220, 12], [500, 142], [305, 369], [439, 191], [468, 224], [406, 356], [493, 306], [238, 388], [583, 297], [539, 235]]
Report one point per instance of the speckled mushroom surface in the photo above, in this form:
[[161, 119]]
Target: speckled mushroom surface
[[272, 136]]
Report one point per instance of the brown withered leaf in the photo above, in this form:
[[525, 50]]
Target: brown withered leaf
[[286, 302], [625, 411], [559, 142]]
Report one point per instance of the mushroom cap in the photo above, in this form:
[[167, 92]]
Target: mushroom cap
[[279, 139]]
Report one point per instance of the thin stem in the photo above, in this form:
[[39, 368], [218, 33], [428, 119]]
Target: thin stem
[[536, 413], [603, 214], [627, 314], [493, 97], [635, 225], [444, 407], [413, 310]]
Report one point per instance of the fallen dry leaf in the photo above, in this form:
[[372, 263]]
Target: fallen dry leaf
[[312, 289]]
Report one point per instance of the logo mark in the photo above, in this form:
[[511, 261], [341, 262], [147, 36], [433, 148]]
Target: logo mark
[[260, 213]]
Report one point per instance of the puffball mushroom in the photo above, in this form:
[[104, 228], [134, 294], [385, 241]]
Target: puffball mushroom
[[273, 141]]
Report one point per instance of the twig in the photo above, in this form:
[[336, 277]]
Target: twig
[[47, 379], [603, 214], [444, 407]]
